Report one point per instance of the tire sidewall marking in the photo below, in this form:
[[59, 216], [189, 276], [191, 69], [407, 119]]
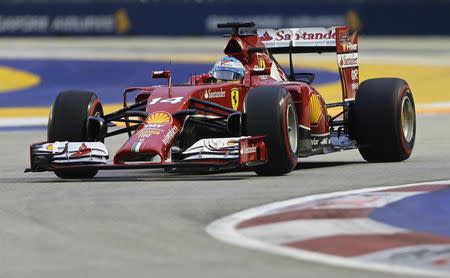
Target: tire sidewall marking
[[287, 145], [406, 147], [93, 105]]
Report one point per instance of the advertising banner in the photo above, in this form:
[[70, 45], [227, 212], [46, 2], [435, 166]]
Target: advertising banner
[[170, 19]]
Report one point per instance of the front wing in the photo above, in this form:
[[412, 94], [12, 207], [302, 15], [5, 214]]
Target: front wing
[[207, 155]]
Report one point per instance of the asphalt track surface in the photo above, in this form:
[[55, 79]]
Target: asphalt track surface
[[151, 224]]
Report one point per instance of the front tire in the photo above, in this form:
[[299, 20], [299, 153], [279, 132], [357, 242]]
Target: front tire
[[383, 120], [270, 111], [68, 122]]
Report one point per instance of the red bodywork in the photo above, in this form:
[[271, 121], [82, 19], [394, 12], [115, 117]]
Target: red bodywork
[[310, 106], [155, 135]]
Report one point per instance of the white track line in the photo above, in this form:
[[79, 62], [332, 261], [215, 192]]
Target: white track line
[[287, 231], [224, 230], [23, 122], [385, 50]]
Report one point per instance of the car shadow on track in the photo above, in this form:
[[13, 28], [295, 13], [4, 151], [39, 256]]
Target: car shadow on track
[[323, 164], [130, 177], [159, 176]]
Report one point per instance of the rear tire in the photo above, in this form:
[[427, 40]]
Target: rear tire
[[270, 111], [68, 122], [383, 120]]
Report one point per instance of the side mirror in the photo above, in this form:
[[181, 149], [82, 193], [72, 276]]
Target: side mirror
[[259, 71], [163, 74]]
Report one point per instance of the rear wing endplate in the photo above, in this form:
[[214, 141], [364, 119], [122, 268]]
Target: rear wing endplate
[[319, 40]]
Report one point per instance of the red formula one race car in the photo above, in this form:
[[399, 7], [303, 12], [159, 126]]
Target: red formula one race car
[[246, 113]]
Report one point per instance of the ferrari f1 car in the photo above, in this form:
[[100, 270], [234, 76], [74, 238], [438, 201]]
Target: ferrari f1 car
[[264, 122]]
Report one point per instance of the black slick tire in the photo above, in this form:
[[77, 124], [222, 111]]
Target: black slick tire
[[68, 122], [270, 111], [383, 120]]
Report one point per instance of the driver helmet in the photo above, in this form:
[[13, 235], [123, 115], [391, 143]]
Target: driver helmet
[[228, 69]]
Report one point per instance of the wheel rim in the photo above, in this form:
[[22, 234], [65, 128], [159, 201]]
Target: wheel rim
[[407, 119], [292, 127]]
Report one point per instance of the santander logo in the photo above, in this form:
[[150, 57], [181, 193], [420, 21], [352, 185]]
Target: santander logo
[[298, 34], [266, 37], [83, 150], [305, 35]]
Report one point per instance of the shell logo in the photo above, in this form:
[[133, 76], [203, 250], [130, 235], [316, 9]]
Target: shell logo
[[261, 63], [315, 109], [159, 118]]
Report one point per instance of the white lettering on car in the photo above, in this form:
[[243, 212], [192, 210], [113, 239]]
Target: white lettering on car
[[173, 100]]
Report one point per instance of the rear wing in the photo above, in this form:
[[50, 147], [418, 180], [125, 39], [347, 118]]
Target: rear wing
[[299, 40], [319, 40]]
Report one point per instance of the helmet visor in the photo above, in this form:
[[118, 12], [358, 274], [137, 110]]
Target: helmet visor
[[226, 75]]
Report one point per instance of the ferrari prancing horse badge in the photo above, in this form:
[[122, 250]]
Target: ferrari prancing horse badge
[[235, 98]]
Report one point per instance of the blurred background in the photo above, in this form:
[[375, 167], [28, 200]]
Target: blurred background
[[200, 17], [47, 46]]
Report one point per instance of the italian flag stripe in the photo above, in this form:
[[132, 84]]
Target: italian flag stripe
[[136, 146]]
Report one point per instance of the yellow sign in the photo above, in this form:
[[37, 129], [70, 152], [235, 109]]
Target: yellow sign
[[235, 98], [159, 118], [123, 23], [315, 109]]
